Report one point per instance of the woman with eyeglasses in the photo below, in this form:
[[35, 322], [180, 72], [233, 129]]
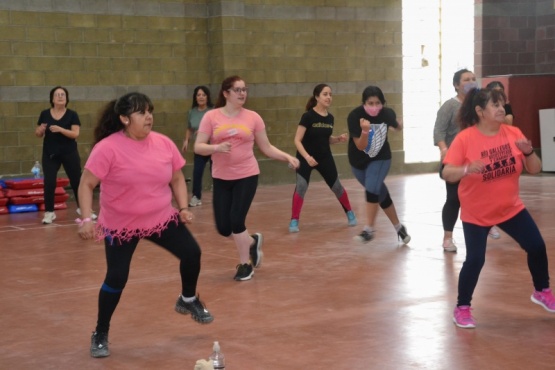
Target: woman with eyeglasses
[[232, 131], [59, 126]]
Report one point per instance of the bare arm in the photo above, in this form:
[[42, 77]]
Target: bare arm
[[188, 133], [532, 162], [362, 141], [452, 173], [203, 148], [72, 134], [86, 190], [338, 139], [179, 190], [299, 135], [261, 139]]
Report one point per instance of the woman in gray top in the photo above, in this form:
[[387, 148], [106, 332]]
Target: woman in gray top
[[445, 130]]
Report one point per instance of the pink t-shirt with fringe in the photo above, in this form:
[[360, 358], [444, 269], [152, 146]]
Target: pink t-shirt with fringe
[[135, 192]]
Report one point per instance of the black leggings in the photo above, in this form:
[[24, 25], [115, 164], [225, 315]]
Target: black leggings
[[50, 166], [232, 200], [524, 231], [176, 239], [450, 212]]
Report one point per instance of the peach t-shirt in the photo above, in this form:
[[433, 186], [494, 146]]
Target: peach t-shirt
[[239, 130], [490, 197]]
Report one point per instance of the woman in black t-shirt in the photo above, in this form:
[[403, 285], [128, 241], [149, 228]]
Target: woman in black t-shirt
[[313, 139], [368, 120], [59, 127]]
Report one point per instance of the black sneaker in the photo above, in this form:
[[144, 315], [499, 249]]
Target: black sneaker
[[403, 235], [244, 272], [196, 308], [364, 236], [99, 344], [256, 250]]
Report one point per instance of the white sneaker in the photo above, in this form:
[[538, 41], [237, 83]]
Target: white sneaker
[[494, 233], [48, 217], [449, 245], [195, 202], [93, 215]]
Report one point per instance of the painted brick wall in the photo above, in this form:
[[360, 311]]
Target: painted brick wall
[[514, 37]]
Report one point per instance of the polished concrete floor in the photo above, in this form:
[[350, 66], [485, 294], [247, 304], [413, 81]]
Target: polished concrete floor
[[320, 300]]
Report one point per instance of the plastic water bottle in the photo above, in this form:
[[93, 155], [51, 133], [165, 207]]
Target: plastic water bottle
[[36, 170], [217, 357]]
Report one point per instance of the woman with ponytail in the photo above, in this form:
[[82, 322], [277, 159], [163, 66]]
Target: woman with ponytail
[[486, 158], [313, 139], [138, 171]]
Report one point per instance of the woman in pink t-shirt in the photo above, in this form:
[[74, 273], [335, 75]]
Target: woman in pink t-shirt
[[232, 131], [138, 171], [487, 157]]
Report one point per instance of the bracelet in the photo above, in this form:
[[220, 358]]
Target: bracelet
[[465, 172], [183, 209], [528, 154], [81, 222]]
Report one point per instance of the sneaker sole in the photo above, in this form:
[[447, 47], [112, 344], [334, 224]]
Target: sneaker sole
[[100, 355], [185, 311], [293, 230], [244, 278], [467, 326], [452, 250], [361, 240], [406, 240], [259, 252], [540, 303]]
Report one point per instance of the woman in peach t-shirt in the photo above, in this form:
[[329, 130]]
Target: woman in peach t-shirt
[[487, 157], [232, 131]]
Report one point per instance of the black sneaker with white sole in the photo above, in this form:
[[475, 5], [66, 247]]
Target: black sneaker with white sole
[[244, 272], [196, 308], [255, 250], [403, 234]]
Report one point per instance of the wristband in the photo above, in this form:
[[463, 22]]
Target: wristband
[[465, 172], [81, 222], [528, 154]]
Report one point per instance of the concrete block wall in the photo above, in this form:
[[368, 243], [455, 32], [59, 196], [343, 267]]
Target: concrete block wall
[[164, 48]]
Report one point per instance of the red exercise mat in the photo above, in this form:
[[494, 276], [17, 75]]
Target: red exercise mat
[[3, 201], [56, 206], [33, 183], [10, 193], [37, 199]]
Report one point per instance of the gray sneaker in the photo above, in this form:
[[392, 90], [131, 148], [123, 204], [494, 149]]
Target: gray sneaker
[[196, 308], [99, 344], [195, 202]]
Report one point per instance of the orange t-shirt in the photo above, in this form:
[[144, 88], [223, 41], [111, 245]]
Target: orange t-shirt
[[490, 197]]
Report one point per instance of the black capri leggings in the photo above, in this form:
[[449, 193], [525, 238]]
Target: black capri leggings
[[232, 200]]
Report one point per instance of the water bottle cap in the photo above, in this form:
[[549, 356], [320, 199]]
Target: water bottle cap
[[216, 347]]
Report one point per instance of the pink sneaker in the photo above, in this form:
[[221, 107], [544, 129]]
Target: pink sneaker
[[463, 318], [545, 299]]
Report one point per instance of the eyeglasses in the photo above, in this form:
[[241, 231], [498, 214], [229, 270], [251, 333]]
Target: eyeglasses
[[60, 95], [238, 90]]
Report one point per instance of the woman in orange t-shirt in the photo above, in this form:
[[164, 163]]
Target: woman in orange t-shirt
[[487, 157]]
